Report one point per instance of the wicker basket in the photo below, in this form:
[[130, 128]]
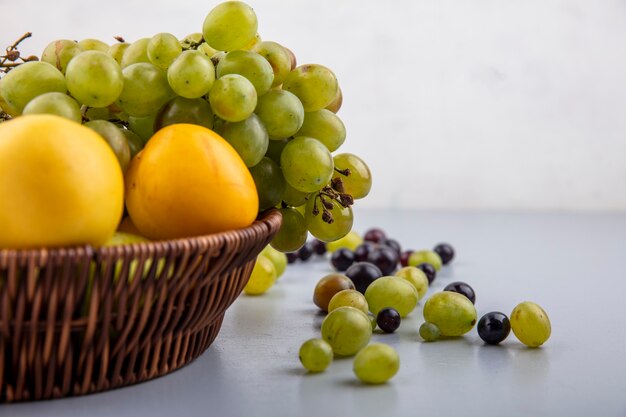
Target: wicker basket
[[80, 320]]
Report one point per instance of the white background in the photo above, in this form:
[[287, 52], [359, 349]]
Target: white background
[[455, 104]]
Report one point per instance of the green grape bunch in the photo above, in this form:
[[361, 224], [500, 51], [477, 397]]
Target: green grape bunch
[[280, 117]]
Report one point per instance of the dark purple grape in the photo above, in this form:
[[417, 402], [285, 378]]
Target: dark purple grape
[[388, 319], [306, 251], [362, 251], [292, 257], [319, 247], [404, 257], [342, 258], [363, 274], [463, 289], [445, 252], [429, 270], [375, 235], [494, 327], [393, 244], [385, 258]]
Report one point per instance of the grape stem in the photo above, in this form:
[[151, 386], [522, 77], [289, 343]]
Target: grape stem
[[326, 196], [13, 58]]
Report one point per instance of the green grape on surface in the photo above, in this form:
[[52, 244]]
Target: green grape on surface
[[262, 278], [163, 49], [115, 138], [59, 104], [293, 197], [94, 78], [415, 277], [307, 164], [348, 298], [250, 65], [342, 219], [233, 98], [281, 112], [279, 259], [425, 257], [117, 51], [230, 25], [347, 330], [269, 182], [27, 81], [135, 143], [324, 126], [315, 355], [376, 363], [315, 86], [136, 52], [292, 233], [277, 57], [350, 241], [429, 331], [248, 137], [335, 105], [452, 312], [93, 45], [359, 183], [145, 90], [530, 324], [59, 53], [142, 126], [391, 292], [191, 75], [184, 110]]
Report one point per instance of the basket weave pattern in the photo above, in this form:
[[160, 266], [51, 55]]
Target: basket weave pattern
[[80, 320]]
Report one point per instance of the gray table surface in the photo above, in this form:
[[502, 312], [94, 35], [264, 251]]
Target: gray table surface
[[572, 264]]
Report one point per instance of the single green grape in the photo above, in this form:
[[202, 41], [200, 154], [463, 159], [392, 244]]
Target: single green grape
[[59, 53], [415, 277], [142, 126], [350, 241], [163, 49], [530, 324], [230, 25], [348, 298], [115, 138], [59, 104], [376, 363], [315, 86], [145, 90], [277, 57], [281, 112], [324, 126], [391, 292], [184, 110], [315, 355], [135, 143], [342, 219], [27, 81], [117, 51], [279, 259], [425, 257], [293, 197], [262, 278], [93, 45], [429, 331], [347, 330], [248, 137], [307, 164], [94, 78], [250, 65], [275, 149], [452, 312], [233, 97], [359, 183], [292, 233], [269, 182], [191, 75], [135, 53]]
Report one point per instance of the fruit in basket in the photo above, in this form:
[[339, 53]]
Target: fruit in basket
[[60, 184], [188, 181]]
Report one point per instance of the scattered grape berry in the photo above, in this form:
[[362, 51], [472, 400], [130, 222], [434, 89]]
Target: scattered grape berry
[[363, 274], [462, 288], [319, 247], [388, 319], [292, 257], [445, 252], [385, 258], [404, 257], [429, 270], [393, 244], [342, 259], [362, 251], [306, 251], [494, 327], [375, 235]]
